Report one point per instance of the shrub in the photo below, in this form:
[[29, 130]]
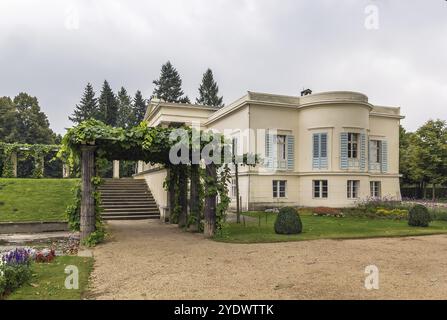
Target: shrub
[[326, 211], [288, 221], [419, 216]]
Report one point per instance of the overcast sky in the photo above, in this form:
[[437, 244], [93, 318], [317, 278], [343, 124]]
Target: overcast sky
[[51, 50]]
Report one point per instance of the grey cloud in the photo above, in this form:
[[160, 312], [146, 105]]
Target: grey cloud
[[264, 45]]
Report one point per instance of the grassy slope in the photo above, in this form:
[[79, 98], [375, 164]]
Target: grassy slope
[[324, 228], [48, 282], [35, 199]]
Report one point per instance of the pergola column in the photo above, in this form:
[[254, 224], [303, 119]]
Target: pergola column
[[88, 218], [65, 170], [14, 164], [116, 169], [209, 228]]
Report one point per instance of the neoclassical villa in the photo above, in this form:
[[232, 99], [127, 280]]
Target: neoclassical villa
[[325, 149]]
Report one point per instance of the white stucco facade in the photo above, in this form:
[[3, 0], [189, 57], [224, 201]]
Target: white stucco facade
[[326, 149]]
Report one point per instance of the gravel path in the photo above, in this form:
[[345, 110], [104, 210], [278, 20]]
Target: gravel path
[[151, 260]]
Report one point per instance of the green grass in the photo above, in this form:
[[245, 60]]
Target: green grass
[[35, 199], [48, 281], [322, 228]]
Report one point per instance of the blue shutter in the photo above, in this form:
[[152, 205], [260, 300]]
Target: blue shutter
[[290, 152], [316, 151], [268, 150], [344, 150], [323, 151], [362, 151], [384, 162]]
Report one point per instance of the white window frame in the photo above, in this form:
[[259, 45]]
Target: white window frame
[[375, 188], [281, 151], [276, 188], [352, 189], [233, 188], [353, 145], [319, 186]]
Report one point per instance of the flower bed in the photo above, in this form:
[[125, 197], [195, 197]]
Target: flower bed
[[327, 212], [15, 267]]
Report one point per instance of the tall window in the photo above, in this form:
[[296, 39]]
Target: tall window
[[353, 189], [375, 189], [375, 151], [279, 188], [320, 188], [281, 151], [353, 145]]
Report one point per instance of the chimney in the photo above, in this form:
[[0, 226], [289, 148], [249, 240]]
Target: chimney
[[306, 92]]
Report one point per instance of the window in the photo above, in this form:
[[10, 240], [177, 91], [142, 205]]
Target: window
[[375, 189], [279, 188], [375, 151], [353, 189], [281, 147], [353, 145], [320, 188]]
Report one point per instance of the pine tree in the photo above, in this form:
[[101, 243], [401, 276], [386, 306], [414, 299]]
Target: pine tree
[[208, 91], [108, 105], [87, 108], [169, 86], [125, 112], [139, 108]]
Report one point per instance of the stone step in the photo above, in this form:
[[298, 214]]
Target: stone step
[[125, 202], [130, 209], [141, 217]]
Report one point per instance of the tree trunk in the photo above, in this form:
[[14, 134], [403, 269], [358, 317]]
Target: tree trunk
[[88, 219], [171, 195], [183, 196], [238, 201], [194, 202], [210, 201], [433, 192]]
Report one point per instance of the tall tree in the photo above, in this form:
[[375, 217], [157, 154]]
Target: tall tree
[[125, 114], [8, 120], [32, 123], [431, 152], [169, 86], [87, 108], [209, 90], [108, 105], [139, 108]]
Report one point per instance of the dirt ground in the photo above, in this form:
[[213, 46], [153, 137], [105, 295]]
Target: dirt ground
[[151, 260]]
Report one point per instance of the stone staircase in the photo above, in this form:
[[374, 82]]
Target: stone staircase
[[127, 199]]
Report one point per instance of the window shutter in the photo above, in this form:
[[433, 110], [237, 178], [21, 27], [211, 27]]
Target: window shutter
[[268, 150], [316, 151], [369, 155], [323, 151], [344, 150], [290, 152], [384, 162], [362, 151]]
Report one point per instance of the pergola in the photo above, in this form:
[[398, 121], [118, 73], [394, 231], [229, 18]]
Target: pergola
[[92, 140]]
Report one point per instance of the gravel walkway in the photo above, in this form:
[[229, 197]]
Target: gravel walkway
[[151, 260]]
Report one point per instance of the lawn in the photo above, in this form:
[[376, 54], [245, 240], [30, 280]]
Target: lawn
[[260, 229], [35, 199], [48, 281]]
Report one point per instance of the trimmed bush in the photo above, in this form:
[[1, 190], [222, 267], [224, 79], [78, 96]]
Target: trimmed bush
[[419, 216], [288, 221]]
